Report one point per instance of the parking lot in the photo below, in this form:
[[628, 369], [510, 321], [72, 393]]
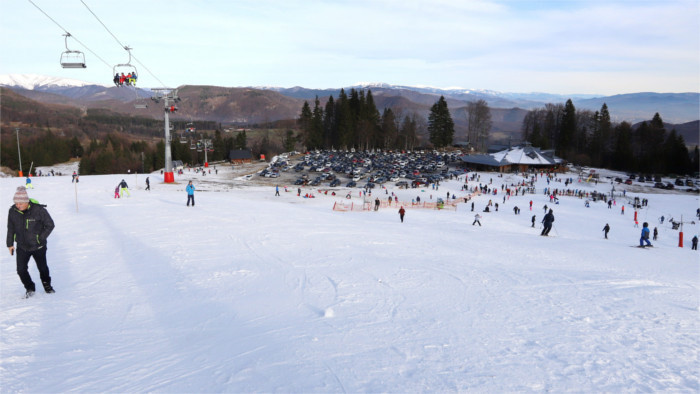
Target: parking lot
[[362, 169]]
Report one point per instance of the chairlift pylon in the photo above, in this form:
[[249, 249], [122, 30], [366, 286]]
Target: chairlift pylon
[[70, 58]]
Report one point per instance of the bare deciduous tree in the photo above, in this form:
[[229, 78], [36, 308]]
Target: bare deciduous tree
[[479, 124]]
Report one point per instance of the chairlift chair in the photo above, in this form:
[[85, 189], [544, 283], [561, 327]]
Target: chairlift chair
[[126, 69], [140, 102], [72, 59]]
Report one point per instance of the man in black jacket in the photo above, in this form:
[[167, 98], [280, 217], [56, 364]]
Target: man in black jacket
[[547, 221], [29, 224]]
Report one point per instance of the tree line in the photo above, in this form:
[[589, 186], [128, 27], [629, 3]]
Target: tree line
[[39, 149], [353, 121], [590, 138]]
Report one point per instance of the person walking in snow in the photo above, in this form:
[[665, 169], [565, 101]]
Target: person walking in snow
[[533, 220], [376, 204], [477, 218], [148, 184], [402, 212], [656, 233], [190, 193], [606, 230], [29, 225], [694, 241], [123, 187], [645, 235], [277, 190], [547, 222]]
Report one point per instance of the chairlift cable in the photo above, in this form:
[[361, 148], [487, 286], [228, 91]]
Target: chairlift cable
[[149, 71], [120, 43], [67, 32], [103, 25]]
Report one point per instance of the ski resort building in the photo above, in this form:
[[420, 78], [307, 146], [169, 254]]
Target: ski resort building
[[518, 158], [240, 156]]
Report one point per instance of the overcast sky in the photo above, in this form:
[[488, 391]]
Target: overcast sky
[[566, 47]]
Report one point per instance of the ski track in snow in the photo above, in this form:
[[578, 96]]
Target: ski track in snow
[[246, 292]]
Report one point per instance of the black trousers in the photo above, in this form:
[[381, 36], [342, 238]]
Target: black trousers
[[190, 197], [545, 230], [23, 267]]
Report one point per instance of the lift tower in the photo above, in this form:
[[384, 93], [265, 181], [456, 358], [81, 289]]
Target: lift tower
[[169, 97]]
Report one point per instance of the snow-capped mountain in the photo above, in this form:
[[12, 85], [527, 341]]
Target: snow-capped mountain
[[37, 82]]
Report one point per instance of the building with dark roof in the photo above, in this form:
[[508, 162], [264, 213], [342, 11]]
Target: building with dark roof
[[240, 156]]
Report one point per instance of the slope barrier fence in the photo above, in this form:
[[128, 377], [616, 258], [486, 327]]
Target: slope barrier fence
[[449, 205]]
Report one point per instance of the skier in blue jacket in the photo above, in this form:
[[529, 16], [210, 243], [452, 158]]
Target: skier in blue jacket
[[190, 193], [645, 235]]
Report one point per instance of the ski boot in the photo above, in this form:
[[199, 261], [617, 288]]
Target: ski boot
[[48, 289]]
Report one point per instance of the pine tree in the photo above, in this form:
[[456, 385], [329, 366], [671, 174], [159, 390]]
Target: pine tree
[[440, 124], [315, 136], [565, 142], [389, 132], [623, 157], [241, 141], [304, 122], [330, 136], [344, 121], [289, 141]]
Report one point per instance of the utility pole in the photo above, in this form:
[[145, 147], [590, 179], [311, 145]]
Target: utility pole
[[167, 94], [19, 154]]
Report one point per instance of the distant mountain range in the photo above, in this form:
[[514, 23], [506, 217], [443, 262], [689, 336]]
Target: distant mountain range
[[247, 105]]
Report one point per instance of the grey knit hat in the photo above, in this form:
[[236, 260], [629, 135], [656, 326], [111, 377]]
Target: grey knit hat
[[21, 195]]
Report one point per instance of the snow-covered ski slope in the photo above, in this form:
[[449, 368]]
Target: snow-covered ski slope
[[247, 292]]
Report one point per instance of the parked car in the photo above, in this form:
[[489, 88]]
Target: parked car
[[335, 182], [351, 184], [628, 182]]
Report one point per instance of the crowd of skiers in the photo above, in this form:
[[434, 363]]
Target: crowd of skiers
[[31, 242]]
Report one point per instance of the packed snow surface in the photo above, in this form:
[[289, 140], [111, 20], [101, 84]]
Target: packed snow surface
[[249, 292]]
